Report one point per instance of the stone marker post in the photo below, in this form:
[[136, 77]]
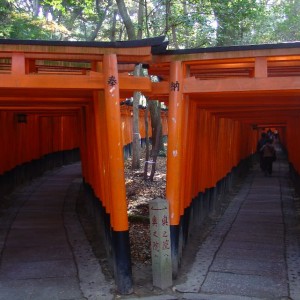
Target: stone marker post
[[160, 243]]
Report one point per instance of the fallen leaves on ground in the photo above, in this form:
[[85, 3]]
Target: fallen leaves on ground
[[139, 192]]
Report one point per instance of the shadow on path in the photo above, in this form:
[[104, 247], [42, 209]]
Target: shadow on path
[[253, 251], [44, 251]]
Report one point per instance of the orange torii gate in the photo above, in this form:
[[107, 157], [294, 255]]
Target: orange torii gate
[[70, 93], [45, 85], [216, 97]]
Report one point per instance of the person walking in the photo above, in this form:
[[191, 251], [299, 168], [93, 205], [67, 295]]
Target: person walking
[[259, 146], [268, 157]]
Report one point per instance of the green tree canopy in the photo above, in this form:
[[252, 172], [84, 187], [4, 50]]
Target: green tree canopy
[[185, 23]]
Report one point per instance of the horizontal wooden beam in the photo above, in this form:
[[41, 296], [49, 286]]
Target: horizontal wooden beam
[[258, 114], [263, 125], [159, 89], [132, 83], [252, 109], [263, 120], [93, 81], [70, 50], [194, 86], [279, 53], [220, 87], [29, 81], [36, 99], [40, 105], [49, 109]]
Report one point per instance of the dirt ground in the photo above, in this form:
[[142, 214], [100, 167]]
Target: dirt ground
[[139, 193]]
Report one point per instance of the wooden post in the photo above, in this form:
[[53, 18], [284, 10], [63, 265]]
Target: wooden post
[[121, 247], [160, 243]]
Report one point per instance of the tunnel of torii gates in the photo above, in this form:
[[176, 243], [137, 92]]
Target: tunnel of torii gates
[[59, 96]]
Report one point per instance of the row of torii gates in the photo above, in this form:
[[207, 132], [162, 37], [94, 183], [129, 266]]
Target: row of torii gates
[[59, 96]]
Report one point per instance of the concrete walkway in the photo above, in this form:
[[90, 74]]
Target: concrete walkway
[[253, 252], [44, 251]]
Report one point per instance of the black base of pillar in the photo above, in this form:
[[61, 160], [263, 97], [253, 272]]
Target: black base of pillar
[[116, 243], [100, 221], [295, 177], [174, 234], [127, 150], [213, 200], [122, 262], [29, 170]]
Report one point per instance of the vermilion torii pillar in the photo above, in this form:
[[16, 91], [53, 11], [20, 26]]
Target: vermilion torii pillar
[[119, 219], [175, 158]]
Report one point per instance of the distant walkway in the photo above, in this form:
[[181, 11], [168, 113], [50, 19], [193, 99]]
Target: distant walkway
[[254, 251], [44, 251]]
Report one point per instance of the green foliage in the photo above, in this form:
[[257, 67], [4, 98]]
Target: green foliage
[[5, 18], [24, 27], [236, 20], [186, 23], [288, 27]]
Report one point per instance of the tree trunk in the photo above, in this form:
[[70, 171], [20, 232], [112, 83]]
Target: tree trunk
[[155, 150], [168, 13], [36, 8], [187, 44], [136, 145], [136, 96], [147, 142], [154, 107], [140, 19], [113, 26], [101, 17], [174, 37], [126, 19], [146, 20]]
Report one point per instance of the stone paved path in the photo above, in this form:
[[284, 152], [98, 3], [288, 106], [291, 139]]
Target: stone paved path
[[44, 251], [254, 251]]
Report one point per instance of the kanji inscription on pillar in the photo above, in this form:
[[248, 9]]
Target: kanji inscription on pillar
[[160, 243], [112, 81], [175, 86]]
